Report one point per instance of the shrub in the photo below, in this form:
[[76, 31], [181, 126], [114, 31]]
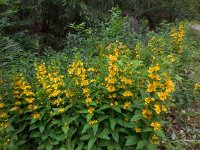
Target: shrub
[[114, 100]]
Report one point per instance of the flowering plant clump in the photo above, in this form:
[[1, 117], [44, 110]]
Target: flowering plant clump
[[114, 101]]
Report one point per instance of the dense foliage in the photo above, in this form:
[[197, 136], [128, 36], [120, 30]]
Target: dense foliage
[[83, 75]]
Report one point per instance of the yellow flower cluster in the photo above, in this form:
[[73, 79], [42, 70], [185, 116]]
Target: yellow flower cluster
[[156, 45], [154, 139], [197, 87], [137, 51], [177, 37], [147, 113], [91, 122], [156, 125], [138, 129], [52, 82], [151, 87], [127, 105], [79, 73], [112, 71], [22, 90]]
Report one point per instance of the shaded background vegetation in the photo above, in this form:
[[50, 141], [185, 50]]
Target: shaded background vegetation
[[41, 23]]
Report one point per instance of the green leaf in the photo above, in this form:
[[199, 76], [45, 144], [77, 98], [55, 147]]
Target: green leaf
[[91, 142], [85, 137], [115, 136], [135, 64], [131, 140], [113, 122], [117, 109], [41, 128], [65, 128], [147, 129], [141, 144], [93, 103], [136, 117], [104, 134], [95, 128], [80, 146], [49, 146], [86, 126], [68, 107], [89, 117], [160, 133], [151, 146]]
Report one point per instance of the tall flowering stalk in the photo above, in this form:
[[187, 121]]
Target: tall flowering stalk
[[177, 38]]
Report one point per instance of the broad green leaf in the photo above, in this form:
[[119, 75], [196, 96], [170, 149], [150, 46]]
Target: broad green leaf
[[89, 116], [151, 146], [160, 133], [65, 128], [104, 134], [141, 144], [86, 126], [95, 128], [49, 146], [115, 136], [41, 128], [117, 109], [85, 137], [80, 146], [68, 107], [137, 116], [113, 122], [131, 140], [91, 142], [147, 129]]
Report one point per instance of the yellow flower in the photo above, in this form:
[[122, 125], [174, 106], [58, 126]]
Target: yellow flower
[[17, 103], [169, 85], [92, 122], [61, 110], [127, 94], [110, 80], [88, 100], [90, 110], [112, 95], [4, 125], [84, 82], [126, 80], [91, 69], [156, 125], [1, 105], [138, 129], [127, 105], [3, 114], [112, 58], [171, 57], [14, 108], [153, 69], [116, 103], [197, 86], [157, 109], [55, 93], [162, 95], [148, 100], [29, 100], [36, 115], [151, 87], [86, 90], [147, 113], [110, 88], [154, 139], [164, 108]]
